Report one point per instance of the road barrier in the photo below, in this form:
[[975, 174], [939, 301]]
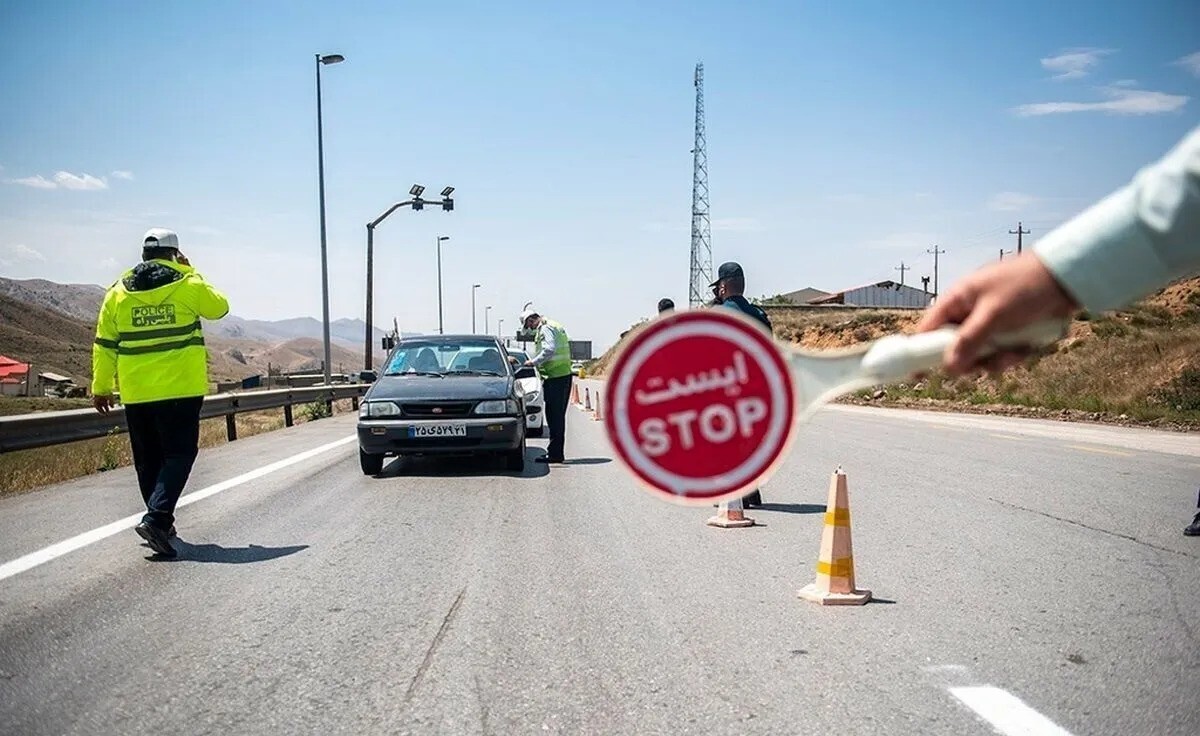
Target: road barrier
[[730, 516], [835, 567], [27, 431]]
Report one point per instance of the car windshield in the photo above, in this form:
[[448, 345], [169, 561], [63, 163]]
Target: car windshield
[[441, 358]]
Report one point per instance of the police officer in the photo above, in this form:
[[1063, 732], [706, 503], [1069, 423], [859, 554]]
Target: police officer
[[729, 291], [149, 342], [553, 360], [666, 305]]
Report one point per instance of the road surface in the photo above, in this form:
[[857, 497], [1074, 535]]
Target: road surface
[[1030, 575]]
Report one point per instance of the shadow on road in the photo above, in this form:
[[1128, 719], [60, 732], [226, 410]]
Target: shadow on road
[[227, 555], [475, 466], [791, 508], [587, 461]]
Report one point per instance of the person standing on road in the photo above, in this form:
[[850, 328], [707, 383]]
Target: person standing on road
[[729, 291], [149, 343], [553, 360], [1136, 240]]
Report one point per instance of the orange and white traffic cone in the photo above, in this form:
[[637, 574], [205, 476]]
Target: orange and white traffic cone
[[599, 413], [587, 399], [575, 393], [835, 567], [730, 516]]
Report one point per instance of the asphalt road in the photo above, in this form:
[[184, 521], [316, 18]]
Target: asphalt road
[[1042, 560]]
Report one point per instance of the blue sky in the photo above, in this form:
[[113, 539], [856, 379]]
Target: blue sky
[[843, 139]]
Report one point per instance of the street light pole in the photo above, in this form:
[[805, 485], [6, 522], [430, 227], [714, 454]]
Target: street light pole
[[327, 59], [486, 314], [473, 288], [500, 327], [441, 328]]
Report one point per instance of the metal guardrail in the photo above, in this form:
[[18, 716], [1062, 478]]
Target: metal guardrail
[[27, 431]]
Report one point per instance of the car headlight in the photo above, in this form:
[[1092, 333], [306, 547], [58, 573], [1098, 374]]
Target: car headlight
[[496, 407], [372, 409], [533, 397]]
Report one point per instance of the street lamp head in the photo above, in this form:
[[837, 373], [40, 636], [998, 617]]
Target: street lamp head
[[443, 237], [331, 59], [476, 286], [416, 190], [447, 191]]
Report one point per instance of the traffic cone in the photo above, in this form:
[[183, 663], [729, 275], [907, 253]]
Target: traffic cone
[[599, 414], [835, 568], [587, 399], [575, 393], [730, 516]]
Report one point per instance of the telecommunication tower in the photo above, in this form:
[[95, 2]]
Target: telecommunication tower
[[701, 270]]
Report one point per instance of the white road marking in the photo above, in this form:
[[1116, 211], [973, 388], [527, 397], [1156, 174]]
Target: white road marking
[[1101, 450], [54, 551], [1006, 713]]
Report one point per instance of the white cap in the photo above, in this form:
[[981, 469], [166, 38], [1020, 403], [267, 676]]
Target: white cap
[[527, 314], [160, 238]]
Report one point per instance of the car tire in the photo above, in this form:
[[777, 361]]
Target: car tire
[[535, 431], [370, 464], [515, 459]]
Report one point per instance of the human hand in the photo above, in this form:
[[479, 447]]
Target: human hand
[[1001, 297], [528, 364], [102, 402]]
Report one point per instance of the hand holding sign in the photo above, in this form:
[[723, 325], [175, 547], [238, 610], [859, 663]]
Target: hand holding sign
[[702, 405]]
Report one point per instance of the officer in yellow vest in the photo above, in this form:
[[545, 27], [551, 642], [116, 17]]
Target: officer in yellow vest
[[552, 358], [150, 344]]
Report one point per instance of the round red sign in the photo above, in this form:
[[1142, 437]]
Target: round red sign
[[700, 405]]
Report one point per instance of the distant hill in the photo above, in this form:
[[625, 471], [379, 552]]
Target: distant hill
[[52, 326]]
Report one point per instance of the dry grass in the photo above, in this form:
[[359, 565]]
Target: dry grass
[[29, 469]]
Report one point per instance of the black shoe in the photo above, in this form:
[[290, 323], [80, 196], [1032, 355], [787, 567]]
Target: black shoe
[[1193, 529], [156, 538], [547, 460], [752, 501], [171, 534]]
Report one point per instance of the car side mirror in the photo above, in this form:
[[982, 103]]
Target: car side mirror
[[367, 377], [526, 372], [531, 409]]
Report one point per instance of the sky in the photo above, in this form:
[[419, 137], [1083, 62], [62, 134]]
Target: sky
[[844, 140]]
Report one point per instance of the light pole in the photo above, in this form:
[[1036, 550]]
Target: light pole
[[326, 59], [473, 288], [417, 204], [486, 313], [500, 327], [441, 329]]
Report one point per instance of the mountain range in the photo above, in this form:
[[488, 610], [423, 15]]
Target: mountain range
[[52, 325]]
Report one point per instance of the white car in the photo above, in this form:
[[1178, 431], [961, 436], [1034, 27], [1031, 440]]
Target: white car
[[530, 382]]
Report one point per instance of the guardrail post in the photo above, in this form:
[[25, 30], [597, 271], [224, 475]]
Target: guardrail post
[[354, 403], [287, 415], [329, 406], [231, 426]]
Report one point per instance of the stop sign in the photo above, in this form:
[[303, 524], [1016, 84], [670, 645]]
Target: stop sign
[[700, 405]]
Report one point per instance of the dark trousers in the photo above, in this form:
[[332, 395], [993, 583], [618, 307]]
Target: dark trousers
[[165, 436], [558, 397]]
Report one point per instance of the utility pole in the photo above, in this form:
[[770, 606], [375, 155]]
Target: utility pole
[[700, 272], [936, 252], [925, 284], [1018, 232], [902, 269], [1004, 253]]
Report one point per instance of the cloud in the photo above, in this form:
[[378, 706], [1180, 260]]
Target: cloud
[[126, 175], [21, 253], [79, 182], [1191, 62], [914, 241], [1010, 202], [1074, 63], [1124, 83], [64, 180], [37, 182], [1121, 101]]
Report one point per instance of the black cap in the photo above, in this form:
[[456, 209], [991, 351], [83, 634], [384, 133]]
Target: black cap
[[728, 270], [665, 304]]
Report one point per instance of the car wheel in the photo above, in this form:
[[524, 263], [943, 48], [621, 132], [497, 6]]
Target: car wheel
[[535, 431], [370, 464], [515, 459]]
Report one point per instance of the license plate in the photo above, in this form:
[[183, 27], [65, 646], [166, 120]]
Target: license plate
[[438, 430]]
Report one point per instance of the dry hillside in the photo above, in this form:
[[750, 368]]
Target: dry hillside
[[1140, 364]]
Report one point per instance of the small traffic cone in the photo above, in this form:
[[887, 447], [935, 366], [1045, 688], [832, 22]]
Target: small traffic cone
[[730, 516], [835, 568], [587, 399], [599, 413], [575, 393]]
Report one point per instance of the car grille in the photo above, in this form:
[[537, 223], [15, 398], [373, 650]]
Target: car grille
[[438, 409]]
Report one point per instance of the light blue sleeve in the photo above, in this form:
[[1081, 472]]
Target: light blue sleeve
[[1137, 239], [549, 345]]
